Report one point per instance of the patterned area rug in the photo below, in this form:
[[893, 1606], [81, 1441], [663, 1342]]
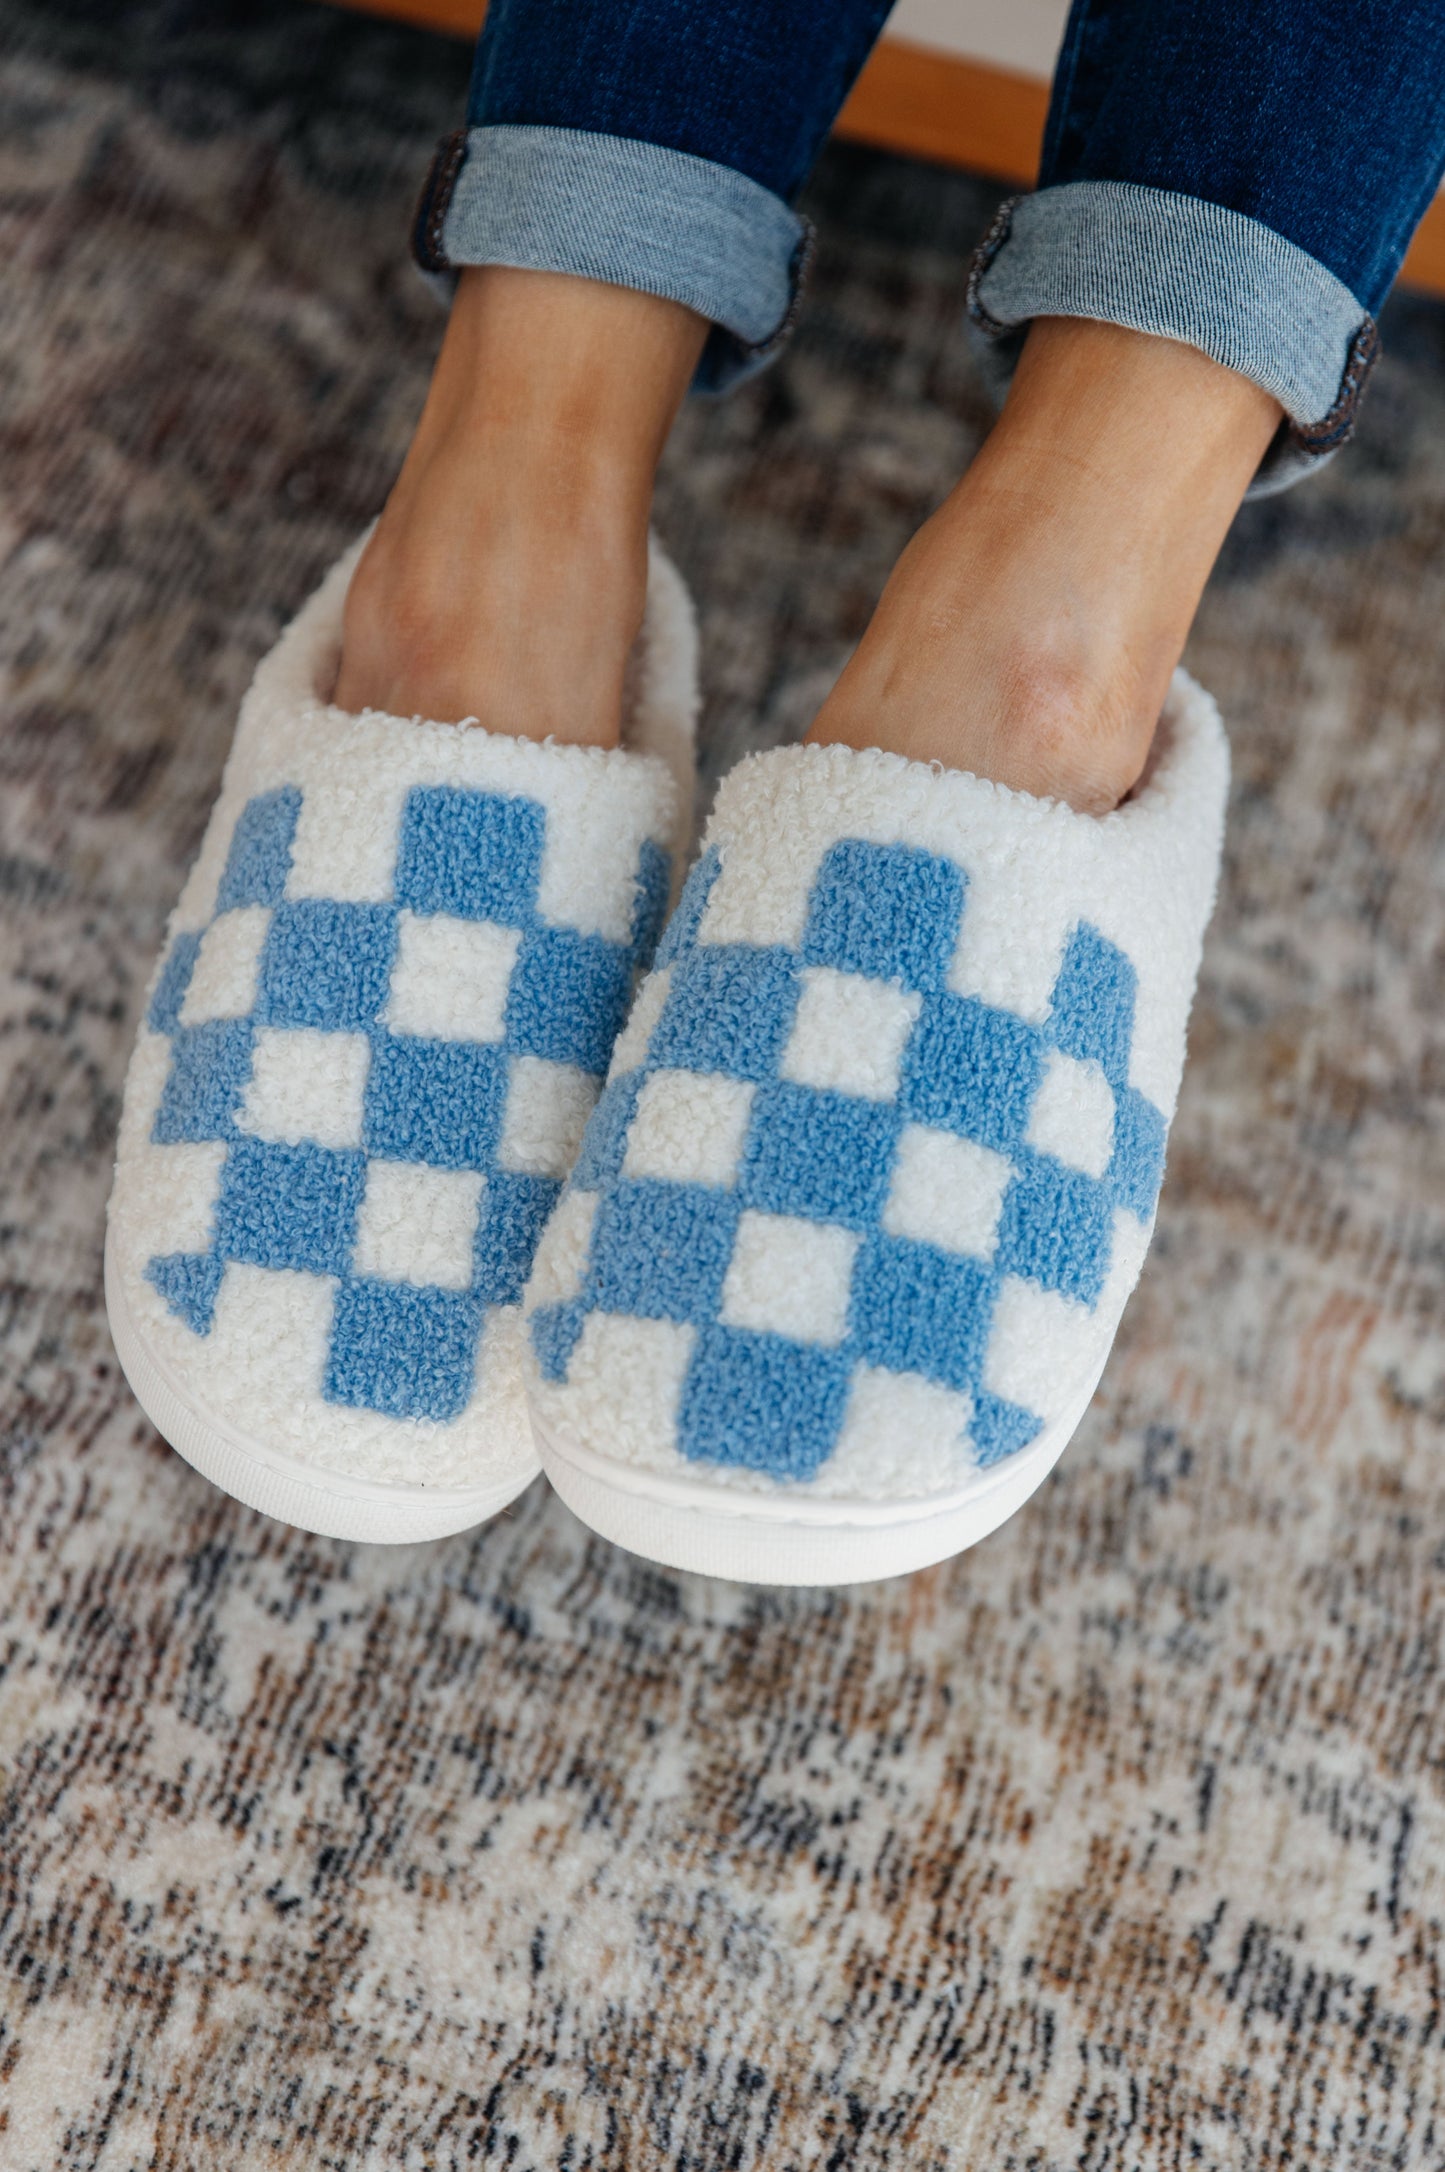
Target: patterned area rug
[[1119, 1843]]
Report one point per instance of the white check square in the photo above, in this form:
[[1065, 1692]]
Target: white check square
[[223, 979], [183, 1183], [688, 1128], [1073, 1114], [418, 1225], [790, 1277], [946, 1192], [306, 1085], [849, 1034], [560, 1267], [548, 1105], [451, 977]]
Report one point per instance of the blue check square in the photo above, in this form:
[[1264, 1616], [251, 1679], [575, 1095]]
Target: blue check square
[[604, 1142], [824, 1156], [680, 934], [762, 1403], [729, 1009], [1057, 1229], [513, 1214], [1093, 1008], [568, 997], [475, 855], [171, 984], [973, 1070], [326, 965], [259, 858], [888, 911], [406, 1351], [919, 1310], [439, 1102], [289, 1206], [1137, 1170], [210, 1067], [661, 1251]]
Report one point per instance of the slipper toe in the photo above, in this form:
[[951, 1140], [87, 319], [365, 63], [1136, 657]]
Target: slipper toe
[[876, 1164], [386, 1002]]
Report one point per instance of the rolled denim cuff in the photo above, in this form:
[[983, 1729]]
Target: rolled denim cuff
[[1191, 271], [631, 214]]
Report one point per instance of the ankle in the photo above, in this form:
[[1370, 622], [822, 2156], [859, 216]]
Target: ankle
[[1031, 628], [520, 617], [1061, 723], [506, 579], [1039, 706]]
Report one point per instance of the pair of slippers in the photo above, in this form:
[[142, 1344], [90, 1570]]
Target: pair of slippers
[[787, 1227]]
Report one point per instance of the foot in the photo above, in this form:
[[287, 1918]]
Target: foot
[[506, 578], [390, 993], [1029, 632], [874, 1171]]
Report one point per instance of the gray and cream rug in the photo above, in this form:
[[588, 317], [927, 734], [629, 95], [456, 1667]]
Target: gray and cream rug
[[1119, 1843]]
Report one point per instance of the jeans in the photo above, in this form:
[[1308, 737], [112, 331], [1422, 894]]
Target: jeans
[[1242, 175]]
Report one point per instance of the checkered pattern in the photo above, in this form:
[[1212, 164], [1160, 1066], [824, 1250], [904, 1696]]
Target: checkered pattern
[[820, 1162], [394, 1090]]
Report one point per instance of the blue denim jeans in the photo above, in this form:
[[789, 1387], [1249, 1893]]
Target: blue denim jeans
[[1242, 175]]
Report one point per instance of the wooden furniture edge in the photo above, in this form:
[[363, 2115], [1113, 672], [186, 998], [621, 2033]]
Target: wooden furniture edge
[[932, 105]]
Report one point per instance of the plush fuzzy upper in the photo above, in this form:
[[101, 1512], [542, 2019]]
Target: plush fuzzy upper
[[388, 997], [878, 1156]]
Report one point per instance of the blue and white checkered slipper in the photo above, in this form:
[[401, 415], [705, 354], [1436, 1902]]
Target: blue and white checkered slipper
[[387, 1000], [875, 1169]]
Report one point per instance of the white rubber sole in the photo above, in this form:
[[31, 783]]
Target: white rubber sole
[[789, 1539], [326, 1502]]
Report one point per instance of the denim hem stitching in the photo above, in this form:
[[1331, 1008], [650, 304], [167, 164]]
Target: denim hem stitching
[[1321, 438], [435, 202], [1301, 442]]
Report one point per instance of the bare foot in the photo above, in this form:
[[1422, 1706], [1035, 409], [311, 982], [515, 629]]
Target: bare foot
[[507, 575], [1029, 631]]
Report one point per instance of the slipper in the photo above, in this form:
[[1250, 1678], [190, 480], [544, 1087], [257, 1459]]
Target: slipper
[[875, 1168], [383, 1012]]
